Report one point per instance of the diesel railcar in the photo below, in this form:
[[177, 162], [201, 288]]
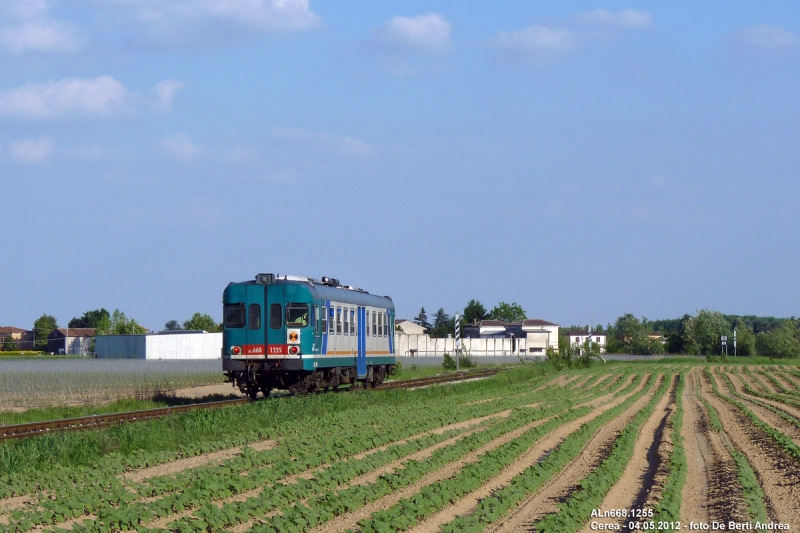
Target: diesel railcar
[[304, 335]]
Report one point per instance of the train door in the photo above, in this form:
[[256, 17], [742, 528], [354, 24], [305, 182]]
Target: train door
[[361, 357], [276, 325], [255, 344]]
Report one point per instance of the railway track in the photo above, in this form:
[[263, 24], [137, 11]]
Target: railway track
[[32, 429]]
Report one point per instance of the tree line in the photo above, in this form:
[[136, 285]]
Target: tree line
[[701, 334], [444, 323], [105, 323]]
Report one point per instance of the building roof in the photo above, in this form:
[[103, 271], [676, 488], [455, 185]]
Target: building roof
[[8, 330], [584, 333], [76, 332], [536, 322], [493, 323], [399, 321]]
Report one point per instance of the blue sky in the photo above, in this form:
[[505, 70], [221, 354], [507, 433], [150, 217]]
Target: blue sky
[[582, 159]]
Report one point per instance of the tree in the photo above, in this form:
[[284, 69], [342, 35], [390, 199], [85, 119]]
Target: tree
[[89, 319], [781, 342], [8, 344], [628, 335], [506, 312], [42, 328], [200, 321], [119, 324], [704, 332], [422, 319], [173, 325], [443, 324], [474, 312], [745, 339]]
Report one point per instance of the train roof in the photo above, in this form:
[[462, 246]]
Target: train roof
[[325, 289]]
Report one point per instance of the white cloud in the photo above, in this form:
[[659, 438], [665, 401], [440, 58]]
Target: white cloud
[[338, 144], [32, 151], [763, 37], [425, 33], [80, 97], [628, 19], [192, 22], [41, 36], [536, 42], [180, 147], [22, 9], [26, 28], [165, 93]]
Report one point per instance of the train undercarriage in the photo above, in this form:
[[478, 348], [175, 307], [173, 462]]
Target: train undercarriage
[[257, 377]]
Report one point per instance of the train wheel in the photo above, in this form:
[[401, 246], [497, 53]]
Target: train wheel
[[252, 392]]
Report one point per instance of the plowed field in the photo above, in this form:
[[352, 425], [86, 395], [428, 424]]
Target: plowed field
[[614, 447]]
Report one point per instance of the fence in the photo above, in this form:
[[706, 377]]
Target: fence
[[424, 346]]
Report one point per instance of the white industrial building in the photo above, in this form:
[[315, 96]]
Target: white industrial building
[[163, 345]]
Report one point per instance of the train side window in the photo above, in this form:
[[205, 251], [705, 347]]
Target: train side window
[[331, 321], [338, 320], [385, 325], [324, 316], [374, 323], [366, 322], [346, 322], [380, 324], [352, 321], [275, 316], [254, 316], [315, 319], [234, 316]]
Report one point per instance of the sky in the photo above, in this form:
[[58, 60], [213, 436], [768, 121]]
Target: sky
[[581, 159]]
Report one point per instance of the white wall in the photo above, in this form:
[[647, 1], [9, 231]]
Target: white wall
[[172, 346], [424, 346]]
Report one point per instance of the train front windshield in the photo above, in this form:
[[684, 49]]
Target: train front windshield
[[297, 315], [234, 316]]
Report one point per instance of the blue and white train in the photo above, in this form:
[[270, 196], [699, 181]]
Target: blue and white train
[[304, 335]]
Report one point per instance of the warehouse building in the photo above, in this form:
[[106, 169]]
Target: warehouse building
[[163, 345]]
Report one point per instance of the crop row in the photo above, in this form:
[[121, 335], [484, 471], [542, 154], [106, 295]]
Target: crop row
[[531, 479], [776, 435], [26, 482], [333, 503], [108, 499], [668, 508], [748, 483]]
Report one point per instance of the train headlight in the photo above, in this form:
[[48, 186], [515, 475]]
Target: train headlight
[[236, 350], [294, 350]]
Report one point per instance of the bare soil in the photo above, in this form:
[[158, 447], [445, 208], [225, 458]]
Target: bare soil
[[563, 484], [778, 474], [651, 452], [541, 449]]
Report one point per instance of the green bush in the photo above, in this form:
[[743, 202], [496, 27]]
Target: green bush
[[780, 343], [449, 363], [397, 369]]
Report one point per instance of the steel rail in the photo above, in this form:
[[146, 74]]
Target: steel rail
[[32, 429]]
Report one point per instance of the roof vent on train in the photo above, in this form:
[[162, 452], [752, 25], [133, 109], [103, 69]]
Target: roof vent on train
[[265, 279], [333, 282]]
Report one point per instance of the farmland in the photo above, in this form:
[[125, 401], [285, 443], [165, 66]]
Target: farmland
[[650, 446], [43, 382]]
